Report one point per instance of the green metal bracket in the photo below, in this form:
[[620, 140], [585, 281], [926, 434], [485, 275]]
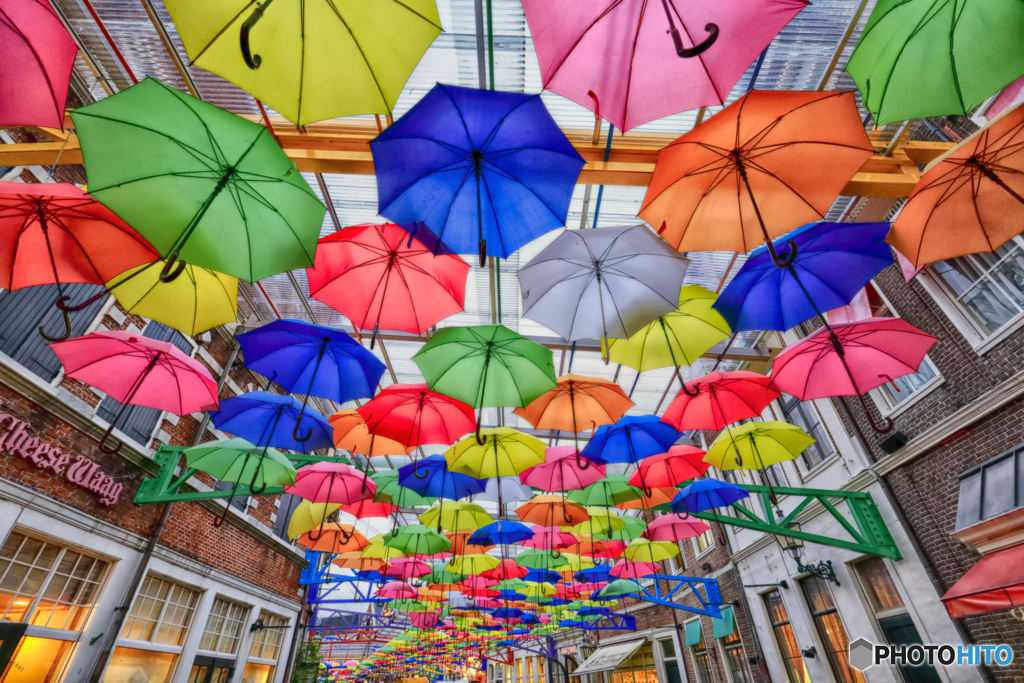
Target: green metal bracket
[[868, 530], [164, 488]]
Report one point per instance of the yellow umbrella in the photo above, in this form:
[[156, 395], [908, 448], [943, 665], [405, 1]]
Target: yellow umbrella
[[472, 564], [576, 562], [307, 516], [643, 550], [505, 452], [197, 301], [602, 521], [756, 445], [454, 516], [380, 551]]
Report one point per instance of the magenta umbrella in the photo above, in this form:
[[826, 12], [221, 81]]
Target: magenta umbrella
[[425, 620], [550, 537], [851, 360], [136, 370], [627, 569], [332, 482], [560, 471], [674, 528], [407, 568], [396, 590], [633, 61]]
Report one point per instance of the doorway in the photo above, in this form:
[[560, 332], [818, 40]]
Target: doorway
[[211, 670]]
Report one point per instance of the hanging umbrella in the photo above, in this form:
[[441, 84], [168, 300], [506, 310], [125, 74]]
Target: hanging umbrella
[[541, 559], [707, 494], [549, 538], [681, 463], [718, 399], [416, 539], [678, 338], [390, 491], [367, 508], [851, 360], [204, 186], [430, 476], [675, 527], [135, 370], [54, 233], [351, 434], [506, 570], [37, 56], [407, 568], [757, 445], [507, 489], [645, 550], [628, 569], [577, 404], [634, 61], [791, 152], [834, 262], [414, 415], [312, 359], [376, 275], [456, 516], [307, 516], [501, 533], [922, 58], [472, 564], [331, 482], [602, 283], [288, 49], [335, 539], [551, 511], [562, 472], [630, 440], [396, 590], [268, 419], [608, 492], [504, 452], [970, 199], [657, 496], [486, 365], [476, 167]]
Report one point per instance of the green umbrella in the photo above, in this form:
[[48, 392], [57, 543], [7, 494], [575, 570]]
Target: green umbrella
[[442, 575], [486, 366], [388, 491], [920, 58], [535, 558], [607, 492], [633, 527], [621, 587], [416, 539], [198, 183]]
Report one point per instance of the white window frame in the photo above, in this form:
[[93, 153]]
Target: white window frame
[[693, 652], [697, 552], [281, 646], [799, 461], [243, 640]]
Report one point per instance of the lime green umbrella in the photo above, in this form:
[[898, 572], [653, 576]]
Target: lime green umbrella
[[535, 558], [388, 491], [921, 58], [607, 492], [757, 445], [505, 452], [621, 587], [486, 366], [416, 539], [199, 183], [310, 60], [632, 527], [643, 550], [238, 461], [457, 516]]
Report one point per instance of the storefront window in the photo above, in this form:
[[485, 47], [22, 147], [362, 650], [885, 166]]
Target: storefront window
[[266, 643], [735, 659], [257, 673], [224, 627], [668, 658], [128, 665], [639, 668], [47, 585], [830, 629], [161, 614], [571, 665], [786, 639], [38, 660]]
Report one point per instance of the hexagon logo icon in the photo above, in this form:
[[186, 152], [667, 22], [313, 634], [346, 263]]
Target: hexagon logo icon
[[861, 654]]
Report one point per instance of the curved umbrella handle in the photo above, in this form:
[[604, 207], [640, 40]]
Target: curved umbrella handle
[[686, 510], [787, 258], [555, 555], [257, 490], [889, 424], [252, 61], [345, 539], [103, 442], [62, 301], [580, 460], [565, 515], [416, 472], [167, 274], [67, 330], [218, 521], [295, 431], [698, 49], [695, 393], [320, 533], [373, 338]]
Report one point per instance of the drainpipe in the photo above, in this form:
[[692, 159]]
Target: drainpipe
[[122, 611]]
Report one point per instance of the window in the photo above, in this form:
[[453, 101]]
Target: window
[[138, 422], [638, 668], [830, 629], [786, 639], [678, 562], [224, 627], [47, 585], [991, 489], [529, 667], [570, 666], [519, 669], [804, 416], [128, 664], [704, 542], [699, 651], [735, 659], [987, 288], [161, 613], [266, 643], [668, 658], [257, 673], [38, 660]]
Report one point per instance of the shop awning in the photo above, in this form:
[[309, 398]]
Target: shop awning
[[609, 657], [996, 582]]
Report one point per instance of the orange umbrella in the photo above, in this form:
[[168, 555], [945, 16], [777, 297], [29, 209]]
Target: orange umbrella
[[353, 560], [659, 496], [351, 434], [335, 538], [460, 547], [551, 511], [577, 404], [766, 164], [970, 200]]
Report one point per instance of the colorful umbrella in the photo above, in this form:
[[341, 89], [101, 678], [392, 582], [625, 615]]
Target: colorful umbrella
[[970, 199], [456, 516], [652, 498], [135, 370], [335, 538], [377, 275], [630, 440], [307, 516], [675, 527], [288, 59], [608, 492], [351, 434], [332, 482], [551, 511], [602, 283], [921, 58], [718, 399], [508, 489], [757, 445], [628, 569], [205, 186], [707, 494], [390, 491], [268, 419], [414, 415], [430, 476], [416, 539], [37, 56], [476, 167], [503, 452], [635, 61], [502, 532], [577, 404], [562, 472], [790, 151], [54, 233], [681, 463]]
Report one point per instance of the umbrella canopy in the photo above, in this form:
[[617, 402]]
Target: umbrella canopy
[[416, 539], [602, 283], [335, 538], [288, 50], [377, 277], [645, 550], [652, 498], [204, 185], [478, 168], [577, 404], [677, 338], [331, 482], [608, 492], [269, 419], [790, 151], [970, 199], [506, 489], [37, 55], [630, 440], [430, 476], [675, 527], [390, 491], [549, 538], [632, 62], [718, 399], [395, 590], [562, 472], [504, 452], [238, 461], [472, 564], [707, 494], [681, 463], [833, 263], [506, 570], [930, 58], [456, 516], [628, 569], [414, 415], [351, 434], [501, 533], [551, 511], [757, 445], [307, 516]]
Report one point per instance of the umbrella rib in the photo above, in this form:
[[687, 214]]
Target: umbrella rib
[[49, 85], [490, 202], [362, 53], [510, 176], [561, 63]]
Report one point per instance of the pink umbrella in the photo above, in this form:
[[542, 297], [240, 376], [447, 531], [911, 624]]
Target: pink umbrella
[[680, 464], [718, 399], [407, 568], [674, 528], [136, 370], [850, 360], [332, 482], [560, 472], [627, 569], [425, 620], [478, 582], [633, 61], [397, 590], [550, 537]]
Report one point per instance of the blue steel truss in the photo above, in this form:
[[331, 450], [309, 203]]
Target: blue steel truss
[[710, 601]]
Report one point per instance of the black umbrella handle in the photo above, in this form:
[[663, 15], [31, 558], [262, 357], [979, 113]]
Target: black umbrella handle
[[416, 472], [252, 61], [170, 272], [695, 394], [62, 302], [67, 329], [103, 448], [698, 49]]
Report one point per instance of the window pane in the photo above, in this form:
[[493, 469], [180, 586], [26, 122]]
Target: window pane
[[161, 613], [736, 660], [668, 648], [785, 638], [37, 660], [908, 384], [804, 416], [880, 587], [139, 666], [830, 628], [257, 673]]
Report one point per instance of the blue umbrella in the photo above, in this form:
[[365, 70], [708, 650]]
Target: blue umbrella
[[630, 440], [833, 262], [268, 419], [542, 576], [476, 167], [430, 477], [597, 574], [507, 613], [706, 494], [312, 359], [502, 532]]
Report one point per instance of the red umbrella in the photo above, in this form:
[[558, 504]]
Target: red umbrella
[[381, 276], [57, 234], [413, 415], [718, 399], [478, 582], [850, 360], [561, 472], [396, 590], [36, 59], [549, 538], [367, 508], [680, 464], [332, 482], [135, 370], [407, 568], [674, 528], [506, 570]]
